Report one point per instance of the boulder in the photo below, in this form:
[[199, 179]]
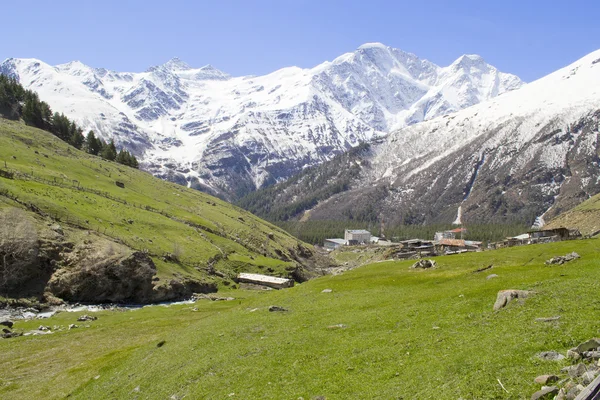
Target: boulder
[[573, 354], [491, 276], [588, 377], [546, 379], [7, 323], [563, 259], [588, 345], [575, 371], [574, 392], [84, 318], [506, 296], [545, 393], [326, 291], [11, 335], [277, 308], [115, 279], [594, 355], [550, 356], [424, 264]]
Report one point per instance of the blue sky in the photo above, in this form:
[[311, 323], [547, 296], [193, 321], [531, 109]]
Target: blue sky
[[529, 38]]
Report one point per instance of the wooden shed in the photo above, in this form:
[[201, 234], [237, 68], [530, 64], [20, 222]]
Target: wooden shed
[[265, 280]]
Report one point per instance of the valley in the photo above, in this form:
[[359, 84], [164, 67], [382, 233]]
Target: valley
[[217, 270]]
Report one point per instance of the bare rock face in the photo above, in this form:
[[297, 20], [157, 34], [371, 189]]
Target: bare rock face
[[506, 296], [127, 279]]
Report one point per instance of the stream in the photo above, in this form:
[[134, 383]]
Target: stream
[[22, 313]]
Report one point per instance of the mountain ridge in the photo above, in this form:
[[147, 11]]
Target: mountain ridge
[[203, 128], [526, 155]]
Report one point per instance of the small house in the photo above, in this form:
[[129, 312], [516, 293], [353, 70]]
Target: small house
[[548, 235], [451, 234], [265, 280], [357, 236], [453, 246], [332, 244]]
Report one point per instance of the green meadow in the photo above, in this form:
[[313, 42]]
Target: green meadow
[[384, 331], [80, 192]]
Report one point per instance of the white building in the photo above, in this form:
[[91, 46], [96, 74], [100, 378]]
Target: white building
[[332, 244], [357, 236]]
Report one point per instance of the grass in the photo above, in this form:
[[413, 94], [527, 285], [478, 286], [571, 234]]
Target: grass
[[405, 334], [80, 191], [585, 217]]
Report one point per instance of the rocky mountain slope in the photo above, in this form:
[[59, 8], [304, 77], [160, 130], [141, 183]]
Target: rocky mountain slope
[[80, 228], [228, 135], [524, 156]]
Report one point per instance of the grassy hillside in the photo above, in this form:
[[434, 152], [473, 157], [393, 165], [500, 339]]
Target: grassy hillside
[[383, 332], [190, 236], [585, 217]]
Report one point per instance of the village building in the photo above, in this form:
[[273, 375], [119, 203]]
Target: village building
[[451, 234], [548, 235], [420, 246], [454, 246], [413, 248], [332, 244], [538, 236], [265, 280], [357, 236]]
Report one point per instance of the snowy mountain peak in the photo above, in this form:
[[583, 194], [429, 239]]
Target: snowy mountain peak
[[210, 72], [204, 128], [471, 62], [75, 68], [176, 64], [373, 45]]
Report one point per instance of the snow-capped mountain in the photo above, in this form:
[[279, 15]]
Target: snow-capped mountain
[[229, 135], [524, 156]]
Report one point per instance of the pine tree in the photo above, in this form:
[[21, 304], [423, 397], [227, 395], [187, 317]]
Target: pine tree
[[123, 157], [109, 151], [92, 144], [77, 138], [32, 111], [133, 162], [61, 127]]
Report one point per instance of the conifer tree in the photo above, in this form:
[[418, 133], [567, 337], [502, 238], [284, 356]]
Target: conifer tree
[[77, 138], [123, 157], [109, 151], [92, 144]]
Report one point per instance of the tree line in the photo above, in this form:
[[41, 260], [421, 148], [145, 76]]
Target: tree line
[[290, 198], [16, 102]]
